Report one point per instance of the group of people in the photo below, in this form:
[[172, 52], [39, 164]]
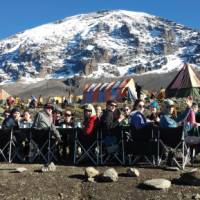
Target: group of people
[[109, 120]]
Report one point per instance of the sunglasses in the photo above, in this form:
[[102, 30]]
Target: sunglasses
[[126, 109], [114, 105]]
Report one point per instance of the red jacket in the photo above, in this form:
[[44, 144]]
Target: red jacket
[[89, 125]]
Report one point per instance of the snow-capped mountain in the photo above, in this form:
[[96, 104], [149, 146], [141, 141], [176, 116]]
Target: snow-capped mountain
[[109, 43]]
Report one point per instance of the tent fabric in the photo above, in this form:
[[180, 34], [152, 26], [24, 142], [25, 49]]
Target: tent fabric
[[103, 92], [185, 83], [3, 94]]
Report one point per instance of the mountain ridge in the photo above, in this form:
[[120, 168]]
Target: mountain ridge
[[105, 43]]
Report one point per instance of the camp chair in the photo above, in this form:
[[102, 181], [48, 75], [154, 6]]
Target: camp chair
[[143, 146], [39, 144], [112, 148], [6, 144], [67, 146], [21, 143], [88, 152], [171, 141]]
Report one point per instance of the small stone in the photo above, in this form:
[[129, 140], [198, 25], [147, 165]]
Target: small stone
[[197, 196], [20, 169], [91, 172], [133, 172], [61, 195], [172, 168], [44, 169], [110, 175], [160, 184]]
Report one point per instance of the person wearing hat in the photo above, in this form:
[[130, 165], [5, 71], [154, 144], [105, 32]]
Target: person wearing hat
[[154, 114], [166, 119], [89, 126], [13, 121], [44, 119], [57, 115]]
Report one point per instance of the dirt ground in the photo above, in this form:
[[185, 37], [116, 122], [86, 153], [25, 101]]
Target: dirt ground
[[68, 182]]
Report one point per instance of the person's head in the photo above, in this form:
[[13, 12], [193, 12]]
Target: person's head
[[68, 116], [195, 107], [6, 114], [57, 113], [48, 108], [16, 113], [153, 107], [168, 106], [139, 105], [98, 110], [89, 111], [127, 111], [111, 105], [26, 115]]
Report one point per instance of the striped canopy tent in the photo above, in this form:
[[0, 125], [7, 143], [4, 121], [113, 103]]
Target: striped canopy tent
[[103, 92], [186, 83], [3, 94]]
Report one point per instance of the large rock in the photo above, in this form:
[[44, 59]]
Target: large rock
[[91, 172], [110, 175], [190, 178], [160, 184], [133, 172]]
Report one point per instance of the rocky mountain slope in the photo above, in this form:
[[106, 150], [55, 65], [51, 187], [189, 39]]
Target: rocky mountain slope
[[107, 43]]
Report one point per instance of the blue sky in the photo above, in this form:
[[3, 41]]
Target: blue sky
[[19, 15]]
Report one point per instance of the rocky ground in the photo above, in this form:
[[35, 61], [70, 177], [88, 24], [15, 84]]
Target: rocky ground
[[68, 182]]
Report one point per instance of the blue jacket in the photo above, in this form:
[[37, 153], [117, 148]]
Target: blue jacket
[[166, 121], [137, 120]]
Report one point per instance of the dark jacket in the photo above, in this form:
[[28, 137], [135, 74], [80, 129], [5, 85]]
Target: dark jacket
[[9, 123], [108, 123]]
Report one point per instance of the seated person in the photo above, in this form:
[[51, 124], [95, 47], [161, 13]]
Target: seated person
[[137, 118], [57, 116], [68, 121], [166, 119], [44, 119], [191, 123], [154, 114], [126, 120], [26, 121], [89, 125], [13, 121]]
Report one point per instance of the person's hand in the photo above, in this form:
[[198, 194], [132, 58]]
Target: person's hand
[[189, 101], [121, 118]]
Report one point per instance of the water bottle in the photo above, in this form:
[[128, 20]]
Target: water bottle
[[64, 126]]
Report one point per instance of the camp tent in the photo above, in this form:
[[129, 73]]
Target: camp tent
[[3, 94], [186, 83], [102, 92]]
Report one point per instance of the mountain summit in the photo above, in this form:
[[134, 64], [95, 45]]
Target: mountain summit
[[105, 43]]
